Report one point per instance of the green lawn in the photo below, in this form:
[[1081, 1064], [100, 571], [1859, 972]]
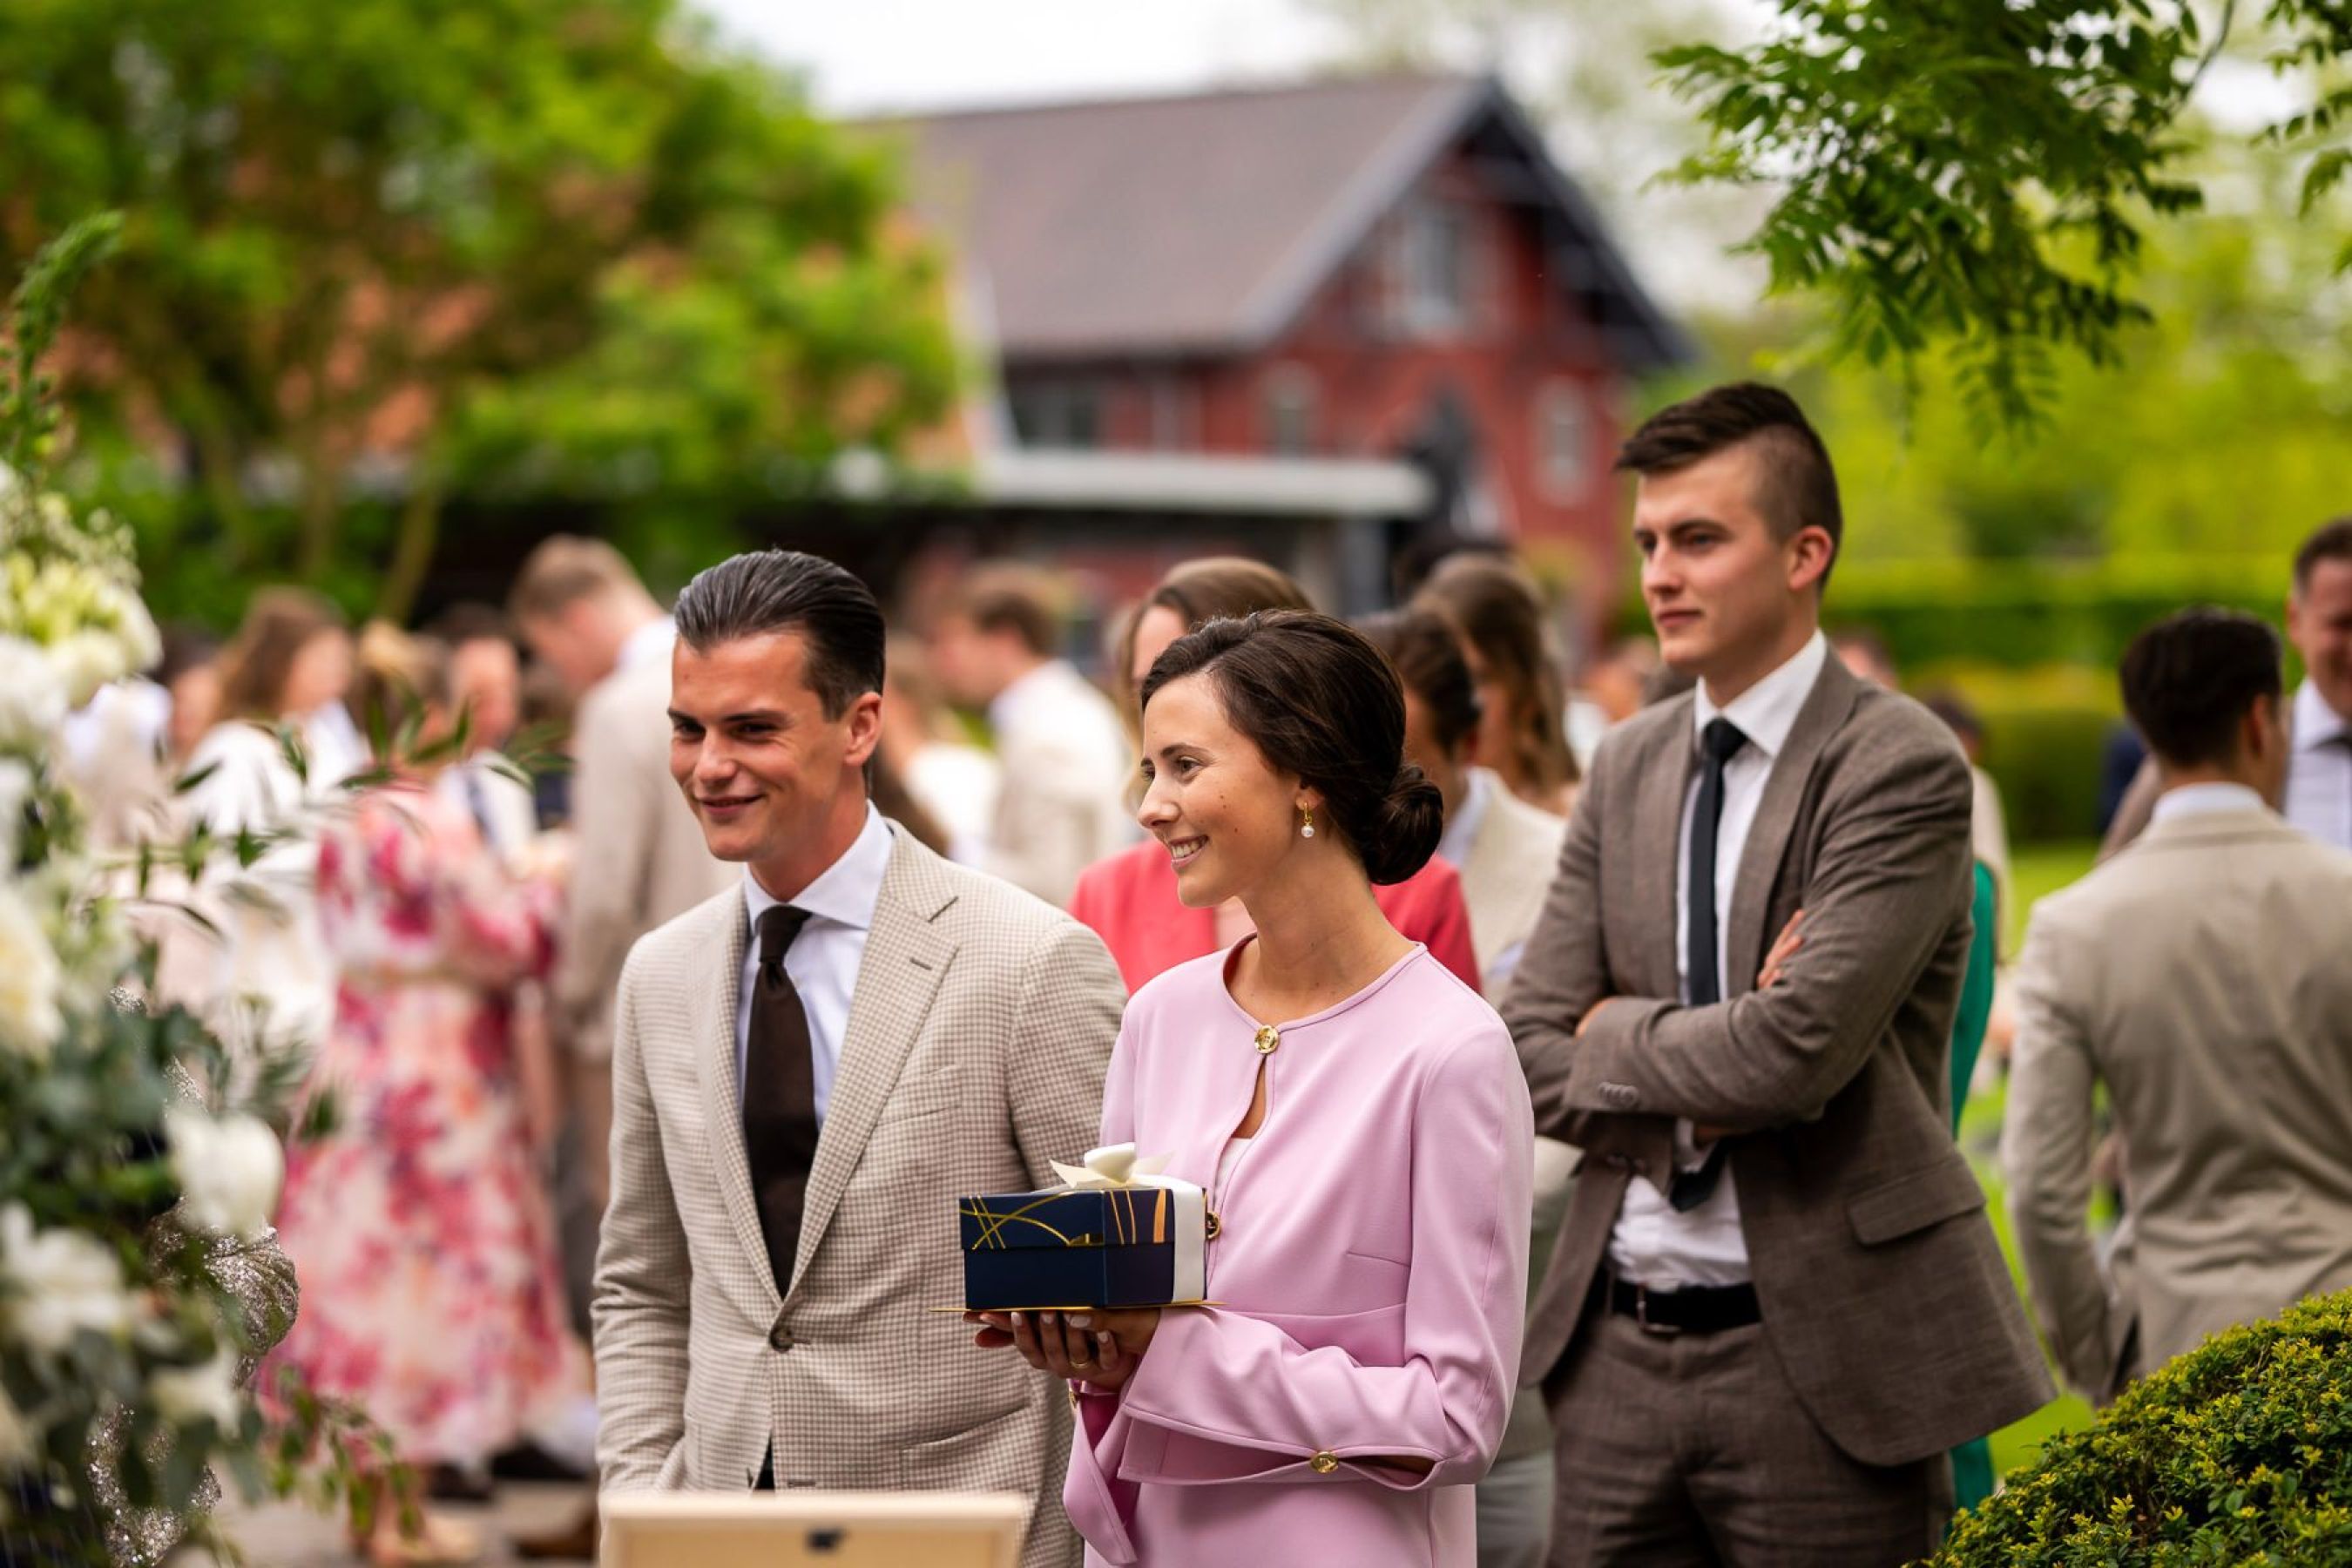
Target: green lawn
[[2036, 869]]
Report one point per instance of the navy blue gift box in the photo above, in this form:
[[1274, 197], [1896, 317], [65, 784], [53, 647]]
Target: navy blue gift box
[[1071, 1248]]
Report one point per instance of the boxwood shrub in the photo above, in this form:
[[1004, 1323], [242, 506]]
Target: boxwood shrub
[[2239, 1452]]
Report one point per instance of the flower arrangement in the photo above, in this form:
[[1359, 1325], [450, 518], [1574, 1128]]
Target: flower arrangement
[[141, 1164]]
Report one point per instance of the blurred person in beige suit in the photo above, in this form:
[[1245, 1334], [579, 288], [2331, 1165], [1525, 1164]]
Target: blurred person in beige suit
[[2204, 976], [1776, 1302], [1505, 850], [1066, 761], [640, 857], [809, 1069]]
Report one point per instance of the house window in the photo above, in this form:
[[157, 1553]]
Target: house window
[[1563, 440], [1058, 414], [1433, 268], [1290, 411]]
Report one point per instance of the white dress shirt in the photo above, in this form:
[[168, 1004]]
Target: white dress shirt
[[1655, 1245], [2202, 800], [2319, 770], [1462, 822], [823, 960]]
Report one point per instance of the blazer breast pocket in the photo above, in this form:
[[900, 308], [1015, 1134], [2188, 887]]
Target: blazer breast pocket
[[933, 1094]]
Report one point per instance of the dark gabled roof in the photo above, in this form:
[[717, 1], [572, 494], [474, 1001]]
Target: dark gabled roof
[[1203, 224]]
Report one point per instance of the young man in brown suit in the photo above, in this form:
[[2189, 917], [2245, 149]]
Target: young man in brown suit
[[1776, 1301]]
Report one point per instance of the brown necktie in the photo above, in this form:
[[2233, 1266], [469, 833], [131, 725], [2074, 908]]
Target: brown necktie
[[779, 1125]]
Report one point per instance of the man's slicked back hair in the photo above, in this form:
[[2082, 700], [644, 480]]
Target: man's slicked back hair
[[1797, 487], [765, 592]]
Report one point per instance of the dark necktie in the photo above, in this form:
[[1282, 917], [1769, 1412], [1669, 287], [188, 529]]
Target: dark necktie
[[779, 1125], [1719, 743]]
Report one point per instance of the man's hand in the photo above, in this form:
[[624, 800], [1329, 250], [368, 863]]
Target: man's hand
[[1099, 1349], [1784, 948], [1590, 1014]]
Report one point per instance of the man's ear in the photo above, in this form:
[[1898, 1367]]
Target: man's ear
[[1811, 552], [864, 717]]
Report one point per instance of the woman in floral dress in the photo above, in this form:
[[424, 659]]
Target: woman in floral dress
[[423, 1238]]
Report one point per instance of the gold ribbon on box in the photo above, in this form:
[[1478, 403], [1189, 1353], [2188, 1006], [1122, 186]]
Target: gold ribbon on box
[[1177, 1209]]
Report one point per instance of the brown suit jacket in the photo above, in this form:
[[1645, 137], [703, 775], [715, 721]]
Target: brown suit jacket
[[1883, 1292]]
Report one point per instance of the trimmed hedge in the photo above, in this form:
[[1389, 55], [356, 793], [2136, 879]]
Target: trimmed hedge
[[2045, 734], [2239, 1452]]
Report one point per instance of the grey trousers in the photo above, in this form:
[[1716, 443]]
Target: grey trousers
[[1514, 1512], [1694, 1449]]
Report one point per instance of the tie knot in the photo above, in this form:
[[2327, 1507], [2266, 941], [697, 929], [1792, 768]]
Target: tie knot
[[1721, 740], [779, 924]]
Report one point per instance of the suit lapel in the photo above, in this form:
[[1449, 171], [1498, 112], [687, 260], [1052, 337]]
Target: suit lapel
[[1664, 784], [1824, 713], [899, 978], [722, 1097]]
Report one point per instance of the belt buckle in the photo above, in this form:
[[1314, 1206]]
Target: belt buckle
[[1642, 1315]]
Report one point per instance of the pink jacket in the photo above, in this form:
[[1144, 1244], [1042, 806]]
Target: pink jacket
[[1370, 1275]]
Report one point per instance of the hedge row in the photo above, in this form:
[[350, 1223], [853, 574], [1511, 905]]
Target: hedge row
[[2045, 733], [2239, 1452]]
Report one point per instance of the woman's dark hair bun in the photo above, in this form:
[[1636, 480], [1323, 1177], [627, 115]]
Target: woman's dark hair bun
[[1319, 700], [1412, 819]]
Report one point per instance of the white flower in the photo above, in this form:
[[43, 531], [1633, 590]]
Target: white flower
[[30, 1021], [56, 1283], [32, 697], [229, 1171], [184, 1395], [86, 660], [18, 1440]]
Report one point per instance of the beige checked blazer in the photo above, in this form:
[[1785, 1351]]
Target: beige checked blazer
[[974, 1054], [2204, 975], [1883, 1293]]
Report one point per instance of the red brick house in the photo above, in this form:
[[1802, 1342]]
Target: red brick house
[[1378, 268]]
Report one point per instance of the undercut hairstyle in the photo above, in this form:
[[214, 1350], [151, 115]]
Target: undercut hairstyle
[[765, 592], [2328, 541], [1318, 699], [1796, 487], [2189, 679], [1215, 587], [1428, 661], [563, 569], [278, 625], [1014, 598], [1496, 611]]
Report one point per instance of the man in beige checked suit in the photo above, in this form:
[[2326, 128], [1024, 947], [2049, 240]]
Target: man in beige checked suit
[[807, 1070]]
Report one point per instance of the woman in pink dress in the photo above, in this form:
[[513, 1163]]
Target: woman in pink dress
[[421, 1231], [1359, 1117]]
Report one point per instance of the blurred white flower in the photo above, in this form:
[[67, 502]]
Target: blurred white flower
[[32, 697], [16, 1439], [56, 1283], [186, 1395], [85, 661], [30, 1020], [229, 1171]]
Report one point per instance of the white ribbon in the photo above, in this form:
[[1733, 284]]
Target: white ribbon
[[1117, 1166]]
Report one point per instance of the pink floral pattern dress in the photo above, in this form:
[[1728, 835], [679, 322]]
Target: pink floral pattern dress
[[420, 1228]]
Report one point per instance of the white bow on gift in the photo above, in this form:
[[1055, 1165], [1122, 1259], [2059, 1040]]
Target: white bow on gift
[[1117, 1166]]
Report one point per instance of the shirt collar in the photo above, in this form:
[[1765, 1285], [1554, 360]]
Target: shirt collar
[[2316, 723], [844, 892], [1462, 827], [1768, 711], [2204, 800], [649, 642]]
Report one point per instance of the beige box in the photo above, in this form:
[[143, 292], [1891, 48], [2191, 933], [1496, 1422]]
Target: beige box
[[823, 1529]]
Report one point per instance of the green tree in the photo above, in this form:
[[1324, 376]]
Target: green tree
[[383, 252], [1981, 175]]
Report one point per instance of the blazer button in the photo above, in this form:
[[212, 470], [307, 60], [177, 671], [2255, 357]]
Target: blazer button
[[1268, 1038], [1623, 1096], [780, 1336], [1324, 1463]]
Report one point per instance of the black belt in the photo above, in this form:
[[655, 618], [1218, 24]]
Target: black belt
[[1692, 1309]]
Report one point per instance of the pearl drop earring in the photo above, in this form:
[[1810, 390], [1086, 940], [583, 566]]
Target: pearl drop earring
[[1307, 829]]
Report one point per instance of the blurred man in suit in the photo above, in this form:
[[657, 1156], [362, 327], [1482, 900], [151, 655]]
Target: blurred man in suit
[[1776, 1302], [2204, 976], [809, 1069], [2318, 797], [641, 858], [1067, 760]]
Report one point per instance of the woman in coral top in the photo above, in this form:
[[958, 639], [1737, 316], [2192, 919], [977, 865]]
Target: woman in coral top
[[1129, 899], [1359, 1117]]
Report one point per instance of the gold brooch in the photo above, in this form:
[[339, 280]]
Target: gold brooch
[[1268, 1039]]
